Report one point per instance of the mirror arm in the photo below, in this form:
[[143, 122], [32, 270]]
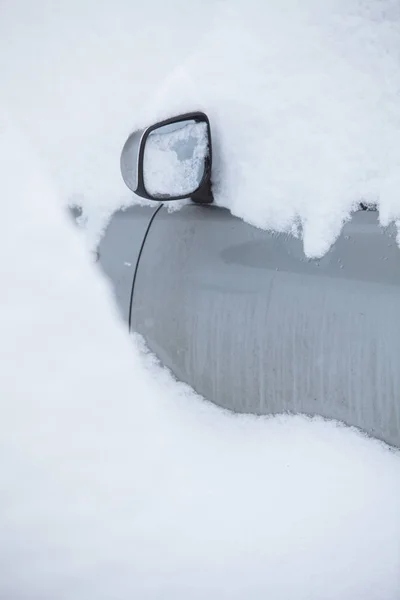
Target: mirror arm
[[204, 195]]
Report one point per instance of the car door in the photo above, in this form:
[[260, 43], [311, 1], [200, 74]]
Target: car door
[[253, 325], [119, 250]]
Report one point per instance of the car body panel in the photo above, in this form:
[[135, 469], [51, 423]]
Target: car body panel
[[254, 326], [119, 251]]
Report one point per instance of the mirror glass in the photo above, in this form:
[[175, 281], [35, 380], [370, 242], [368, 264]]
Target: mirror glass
[[174, 158]]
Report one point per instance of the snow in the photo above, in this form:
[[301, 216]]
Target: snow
[[116, 481], [174, 159], [302, 97]]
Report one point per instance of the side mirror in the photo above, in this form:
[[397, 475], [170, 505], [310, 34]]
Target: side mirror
[[170, 160]]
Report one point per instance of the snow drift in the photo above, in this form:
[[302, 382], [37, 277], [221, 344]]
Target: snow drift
[[117, 482]]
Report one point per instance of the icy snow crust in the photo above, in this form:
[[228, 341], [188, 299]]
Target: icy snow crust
[[174, 159], [115, 481], [303, 99]]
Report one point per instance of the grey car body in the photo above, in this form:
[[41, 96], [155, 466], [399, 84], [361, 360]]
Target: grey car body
[[254, 326]]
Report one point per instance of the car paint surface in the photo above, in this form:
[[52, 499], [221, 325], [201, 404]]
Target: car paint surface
[[253, 325]]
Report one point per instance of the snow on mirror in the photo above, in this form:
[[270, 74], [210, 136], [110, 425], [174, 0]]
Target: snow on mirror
[[175, 158]]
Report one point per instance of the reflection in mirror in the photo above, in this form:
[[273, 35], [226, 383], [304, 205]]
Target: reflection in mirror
[[175, 158]]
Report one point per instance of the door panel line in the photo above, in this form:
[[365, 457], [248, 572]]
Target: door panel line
[[138, 262]]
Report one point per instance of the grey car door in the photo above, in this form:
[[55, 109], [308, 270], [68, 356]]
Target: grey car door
[[253, 325]]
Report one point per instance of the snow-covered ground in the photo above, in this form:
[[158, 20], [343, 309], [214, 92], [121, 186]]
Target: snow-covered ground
[[115, 481]]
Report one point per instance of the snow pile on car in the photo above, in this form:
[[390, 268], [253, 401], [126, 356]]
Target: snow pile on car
[[303, 99], [117, 482]]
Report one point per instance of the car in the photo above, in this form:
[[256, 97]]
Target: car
[[240, 313]]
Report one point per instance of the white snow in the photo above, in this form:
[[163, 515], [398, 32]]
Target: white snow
[[115, 481], [174, 159], [303, 98]]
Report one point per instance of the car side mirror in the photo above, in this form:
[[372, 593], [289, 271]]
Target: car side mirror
[[170, 160]]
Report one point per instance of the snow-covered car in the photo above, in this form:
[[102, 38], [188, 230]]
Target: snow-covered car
[[241, 314]]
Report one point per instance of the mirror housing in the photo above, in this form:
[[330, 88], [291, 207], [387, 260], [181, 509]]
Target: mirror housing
[[182, 147]]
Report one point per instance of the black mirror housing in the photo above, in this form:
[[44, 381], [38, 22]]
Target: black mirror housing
[[185, 141]]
